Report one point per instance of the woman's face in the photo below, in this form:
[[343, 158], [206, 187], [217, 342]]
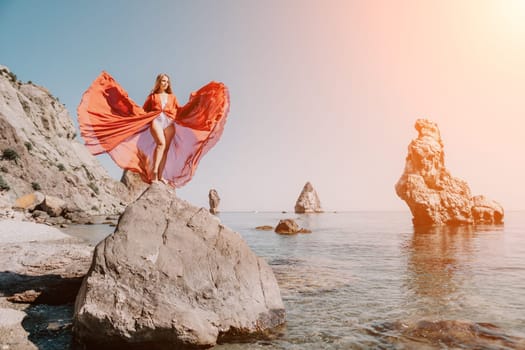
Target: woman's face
[[164, 81]]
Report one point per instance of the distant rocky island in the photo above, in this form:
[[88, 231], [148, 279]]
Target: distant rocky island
[[40, 152], [433, 195], [308, 201]]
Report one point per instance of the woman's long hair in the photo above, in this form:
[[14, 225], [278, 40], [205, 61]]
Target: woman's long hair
[[156, 87]]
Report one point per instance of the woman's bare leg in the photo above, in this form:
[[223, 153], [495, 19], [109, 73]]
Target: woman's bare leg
[[169, 132], [160, 140]]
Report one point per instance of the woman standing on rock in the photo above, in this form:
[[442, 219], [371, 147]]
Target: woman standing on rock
[[160, 141]]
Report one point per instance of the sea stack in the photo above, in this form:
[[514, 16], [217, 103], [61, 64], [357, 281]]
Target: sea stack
[[308, 201], [172, 276], [433, 195], [214, 199]]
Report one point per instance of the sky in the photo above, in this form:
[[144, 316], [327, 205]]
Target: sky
[[324, 91]]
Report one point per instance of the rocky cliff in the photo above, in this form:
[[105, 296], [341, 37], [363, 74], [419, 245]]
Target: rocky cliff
[[39, 151], [433, 195]]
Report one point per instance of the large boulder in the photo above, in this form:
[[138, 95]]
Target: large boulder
[[173, 276], [433, 195], [308, 201]]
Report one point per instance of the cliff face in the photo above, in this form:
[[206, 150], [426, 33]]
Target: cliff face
[[39, 151]]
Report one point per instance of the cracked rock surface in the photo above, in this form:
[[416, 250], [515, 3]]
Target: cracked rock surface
[[173, 275]]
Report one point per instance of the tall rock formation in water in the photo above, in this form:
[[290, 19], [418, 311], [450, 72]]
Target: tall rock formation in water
[[308, 201], [173, 276], [38, 151], [433, 195], [214, 200]]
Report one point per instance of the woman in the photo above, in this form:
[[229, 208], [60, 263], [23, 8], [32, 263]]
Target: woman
[[162, 128], [160, 141]]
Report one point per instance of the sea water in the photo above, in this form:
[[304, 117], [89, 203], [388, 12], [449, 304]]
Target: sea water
[[363, 280]]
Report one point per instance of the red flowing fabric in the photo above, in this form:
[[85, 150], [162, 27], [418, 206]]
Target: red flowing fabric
[[110, 122]]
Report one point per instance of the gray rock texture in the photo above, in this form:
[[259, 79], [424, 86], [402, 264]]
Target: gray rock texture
[[40, 258], [38, 265], [171, 276], [39, 151], [433, 195], [133, 183], [308, 201], [214, 200]]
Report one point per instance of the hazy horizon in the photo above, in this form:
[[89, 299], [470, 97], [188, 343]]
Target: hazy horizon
[[326, 92]]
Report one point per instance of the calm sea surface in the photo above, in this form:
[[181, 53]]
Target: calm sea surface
[[370, 280]]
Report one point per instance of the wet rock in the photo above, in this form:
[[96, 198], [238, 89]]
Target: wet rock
[[433, 195], [264, 228], [308, 201], [214, 200], [289, 227], [171, 275], [453, 334], [486, 211], [28, 296]]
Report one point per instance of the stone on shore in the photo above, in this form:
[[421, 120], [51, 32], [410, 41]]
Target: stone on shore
[[308, 201], [38, 265], [433, 195], [172, 276], [12, 334], [29, 201]]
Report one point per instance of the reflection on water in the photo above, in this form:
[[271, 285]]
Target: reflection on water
[[370, 280], [438, 266]]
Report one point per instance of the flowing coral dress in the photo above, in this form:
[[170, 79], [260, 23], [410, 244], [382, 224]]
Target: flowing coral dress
[[110, 122]]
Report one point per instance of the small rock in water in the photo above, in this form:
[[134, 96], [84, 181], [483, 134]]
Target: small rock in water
[[289, 227], [214, 200], [264, 228], [451, 333]]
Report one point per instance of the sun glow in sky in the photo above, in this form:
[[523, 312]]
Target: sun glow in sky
[[322, 91]]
